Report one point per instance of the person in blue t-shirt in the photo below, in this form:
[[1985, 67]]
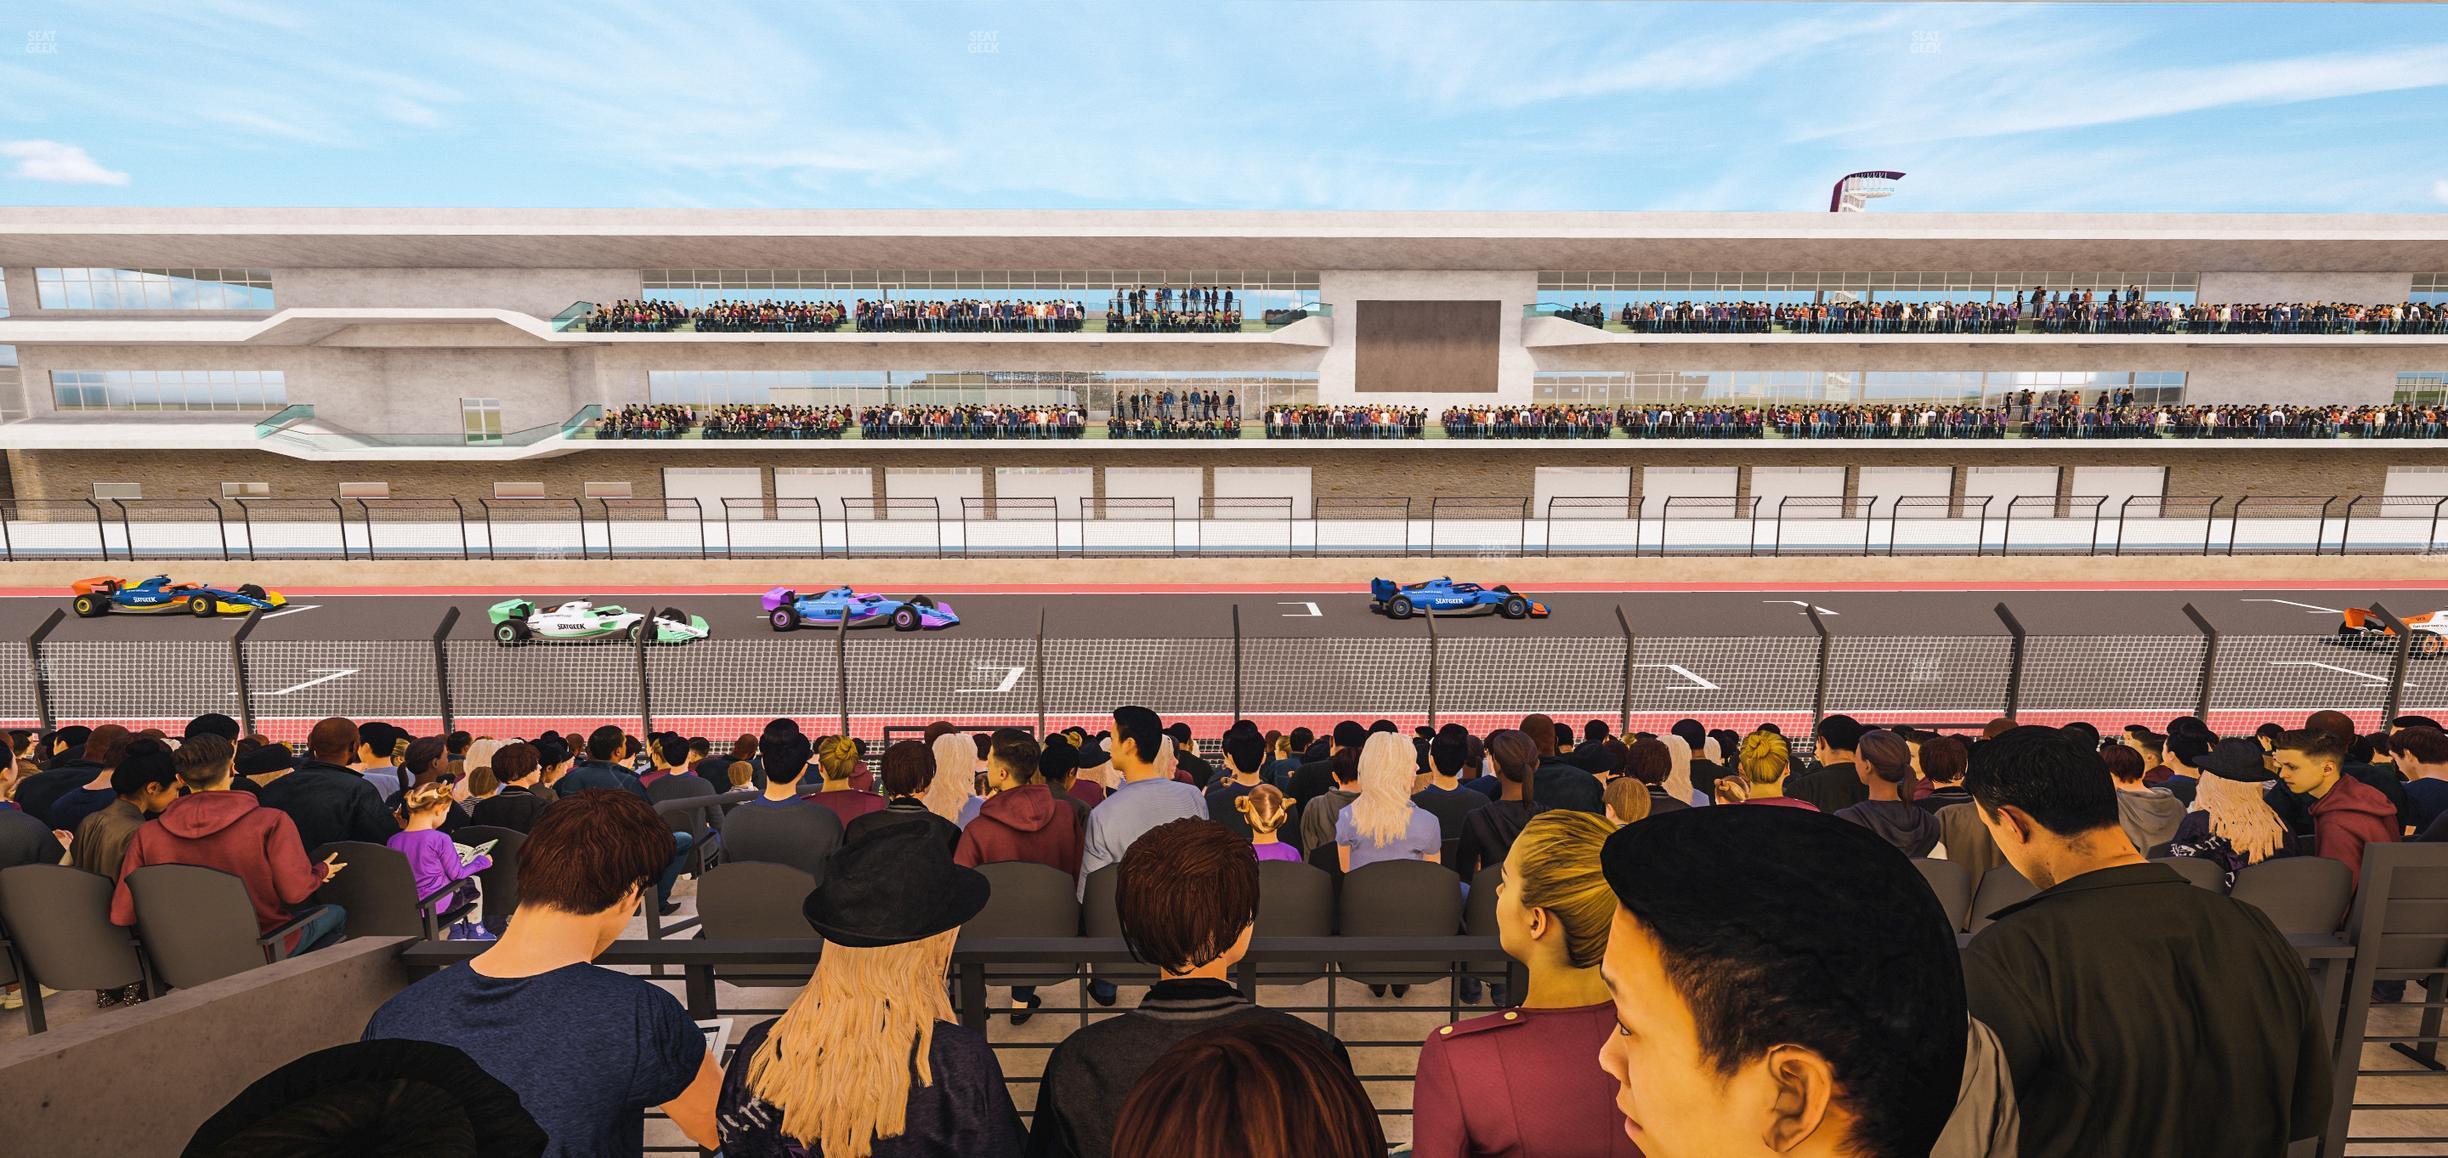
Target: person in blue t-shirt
[[587, 1049]]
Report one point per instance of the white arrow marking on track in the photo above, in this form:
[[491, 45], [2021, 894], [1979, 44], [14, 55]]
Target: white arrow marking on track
[[2291, 603], [1802, 603], [1312, 613], [291, 610], [333, 674], [1686, 673], [1011, 679], [2332, 667]]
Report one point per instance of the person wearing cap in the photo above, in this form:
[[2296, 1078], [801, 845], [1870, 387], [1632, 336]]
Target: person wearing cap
[[263, 764], [1091, 765], [869, 1060], [416, 1096], [2347, 812], [2140, 1014], [586, 1049], [211, 723], [217, 828], [2232, 824], [146, 783], [1810, 1005]]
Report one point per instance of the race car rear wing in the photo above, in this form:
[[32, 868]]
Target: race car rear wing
[[98, 583]]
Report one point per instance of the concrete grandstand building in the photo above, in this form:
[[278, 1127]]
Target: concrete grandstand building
[[213, 354]]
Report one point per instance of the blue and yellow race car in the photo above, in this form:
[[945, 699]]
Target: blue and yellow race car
[[106, 594], [1443, 596]]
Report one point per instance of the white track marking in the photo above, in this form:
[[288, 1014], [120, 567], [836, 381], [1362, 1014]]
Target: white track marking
[[1686, 673], [1312, 613], [2378, 679], [1011, 679], [2309, 608], [292, 610], [1803, 604], [331, 673]]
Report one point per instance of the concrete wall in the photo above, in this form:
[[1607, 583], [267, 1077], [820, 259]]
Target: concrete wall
[[2306, 287], [414, 390], [1345, 289]]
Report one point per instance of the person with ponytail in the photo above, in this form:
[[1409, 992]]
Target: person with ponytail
[[1487, 833], [870, 1061], [1761, 764], [1381, 823], [1553, 914], [1885, 763]]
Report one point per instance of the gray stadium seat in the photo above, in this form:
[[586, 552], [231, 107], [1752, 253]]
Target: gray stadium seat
[[2206, 873], [746, 900], [1952, 883], [2300, 894], [197, 924], [2002, 886], [1294, 900], [1099, 918], [1401, 898], [500, 882], [378, 891], [1029, 900], [59, 920]]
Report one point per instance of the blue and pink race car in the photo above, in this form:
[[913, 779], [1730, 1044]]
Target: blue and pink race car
[[786, 609]]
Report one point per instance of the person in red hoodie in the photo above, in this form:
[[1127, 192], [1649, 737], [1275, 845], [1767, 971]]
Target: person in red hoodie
[[220, 829], [1021, 821], [2346, 813]]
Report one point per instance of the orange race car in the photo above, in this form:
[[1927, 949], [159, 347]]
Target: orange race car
[[101, 596], [2430, 630]]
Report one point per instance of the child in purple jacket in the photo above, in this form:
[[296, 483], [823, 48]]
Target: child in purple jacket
[[433, 858]]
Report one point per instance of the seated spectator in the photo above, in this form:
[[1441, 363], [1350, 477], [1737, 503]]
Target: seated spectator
[[1264, 810], [1187, 898], [2148, 815], [1248, 1090], [377, 758], [1092, 770], [2188, 743], [1942, 760], [1810, 1004], [1487, 833], [1885, 762], [260, 762], [1627, 800], [781, 826], [1443, 796], [433, 858], [606, 765], [586, 1049], [1381, 823], [328, 800], [1244, 769], [953, 793], [99, 749], [909, 767], [1761, 768], [837, 765], [1648, 763], [217, 828], [1148, 796], [146, 782], [1316, 774], [1564, 786], [678, 779], [1835, 784], [1188, 766], [1021, 821], [2355, 760], [26, 840], [2421, 753], [869, 1058], [1284, 754], [2112, 985], [73, 806], [2232, 823], [521, 798], [1521, 1083], [1058, 766], [2346, 812], [1324, 811]]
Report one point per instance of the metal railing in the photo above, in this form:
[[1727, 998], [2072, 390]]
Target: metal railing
[[1276, 527]]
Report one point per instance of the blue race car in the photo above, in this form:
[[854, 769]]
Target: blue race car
[[1442, 596], [786, 609], [106, 594]]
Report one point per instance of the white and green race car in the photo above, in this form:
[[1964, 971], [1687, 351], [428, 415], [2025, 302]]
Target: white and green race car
[[517, 621]]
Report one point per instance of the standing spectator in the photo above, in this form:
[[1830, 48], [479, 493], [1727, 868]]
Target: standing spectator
[[217, 828], [1187, 898], [2422, 755], [869, 1061], [2140, 1015], [328, 800], [1836, 784], [780, 826], [1325, 810], [909, 767], [1381, 823], [1885, 763], [1264, 810], [1316, 777], [1443, 796], [837, 765], [1809, 1004], [1148, 796], [100, 748], [587, 1049], [1943, 760], [1244, 769], [1520, 1083], [1248, 1090], [2346, 812], [2232, 823], [1487, 833], [953, 793], [606, 765], [2148, 815], [147, 783], [519, 802]]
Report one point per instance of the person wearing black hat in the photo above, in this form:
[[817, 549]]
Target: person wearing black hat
[[2232, 823], [261, 765], [368, 1097], [212, 724], [869, 1060]]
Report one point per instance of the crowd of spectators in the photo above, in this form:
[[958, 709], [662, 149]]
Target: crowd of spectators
[[1727, 949], [2054, 414], [2126, 311], [972, 422], [1117, 426], [968, 316], [1170, 403], [1546, 420], [1167, 310], [727, 421], [1313, 421]]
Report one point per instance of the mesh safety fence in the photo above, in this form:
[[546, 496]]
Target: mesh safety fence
[[138, 683], [18, 708], [1917, 679], [543, 684], [292, 683]]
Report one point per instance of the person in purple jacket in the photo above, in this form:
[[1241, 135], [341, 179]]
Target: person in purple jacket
[[433, 858]]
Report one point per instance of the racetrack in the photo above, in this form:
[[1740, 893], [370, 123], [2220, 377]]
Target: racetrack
[[1730, 658]]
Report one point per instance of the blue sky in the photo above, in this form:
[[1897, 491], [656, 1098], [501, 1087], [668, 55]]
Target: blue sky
[[1317, 105]]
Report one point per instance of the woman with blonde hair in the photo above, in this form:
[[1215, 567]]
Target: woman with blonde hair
[[1267, 809], [1553, 914], [1382, 823], [2232, 823], [1760, 768], [953, 794], [869, 1061]]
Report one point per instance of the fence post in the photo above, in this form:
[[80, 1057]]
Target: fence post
[[101, 536], [42, 676], [441, 656], [2014, 660], [1236, 660], [2397, 667], [238, 670], [2210, 647], [1432, 667], [1820, 685], [841, 670], [646, 632], [1623, 717], [1040, 670]]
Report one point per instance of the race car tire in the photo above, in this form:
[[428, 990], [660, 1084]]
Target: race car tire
[[251, 590], [200, 606], [1515, 607], [636, 632], [905, 618], [89, 606], [1399, 607], [921, 601], [783, 619], [2430, 646], [510, 634]]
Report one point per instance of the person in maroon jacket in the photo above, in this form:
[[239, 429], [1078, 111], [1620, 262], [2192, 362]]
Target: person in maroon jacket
[[220, 829], [2346, 813], [1022, 821]]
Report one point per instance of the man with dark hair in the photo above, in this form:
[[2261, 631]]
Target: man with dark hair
[[217, 828], [2140, 1015], [326, 798], [520, 802], [379, 748], [1187, 897], [781, 826], [1021, 821], [1591, 754], [1836, 784], [2346, 812], [70, 810], [2421, 752], [1188, 767], [101, 750], [675, 778], [2354, 761], [606, 765], [1316, 778], [553, 763], [587, 1049], [1317, 818], [1147, 797], [1244, 769], [909, 768], [145, 782], [1785, 986]]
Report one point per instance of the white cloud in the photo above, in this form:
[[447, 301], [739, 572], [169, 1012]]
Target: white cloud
[[53, 161], [2439, 189]]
